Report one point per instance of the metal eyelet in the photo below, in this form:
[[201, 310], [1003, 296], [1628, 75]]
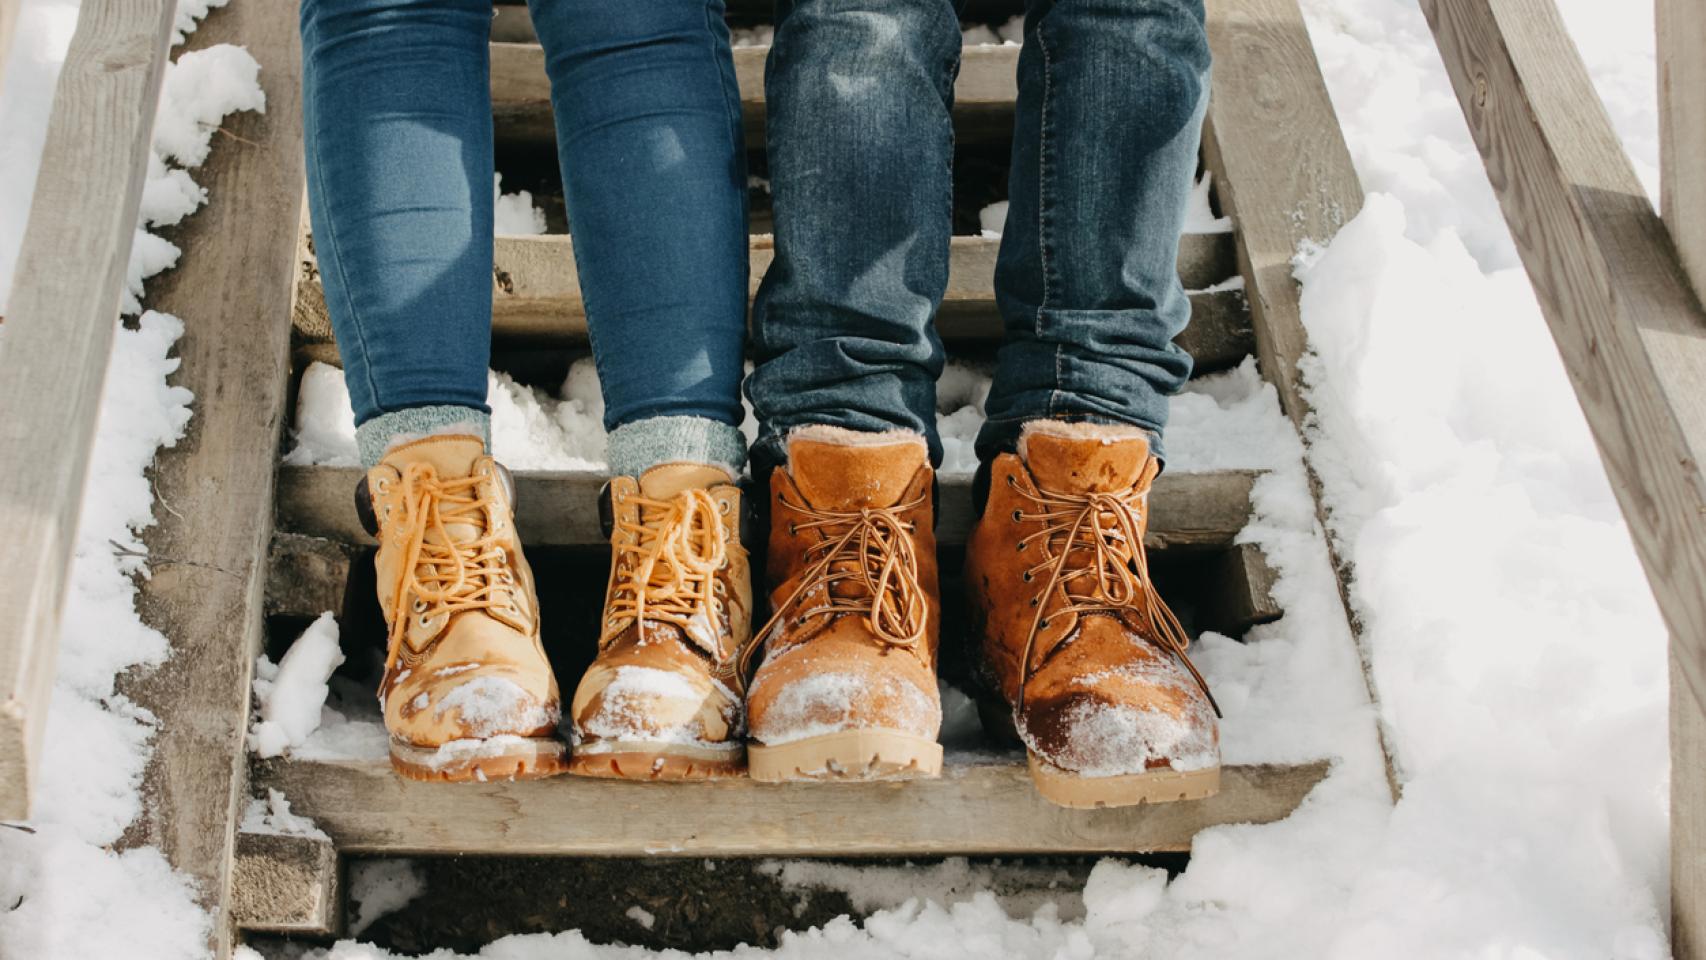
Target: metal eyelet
[[424, 620], [723, 507], [1020, 547], [1011, 481], [1027, 576], [1034, 601], [1043, 624], [1016, 516], [420, 606], [793, 530], [382, 484], [718, 587], [503, 555]]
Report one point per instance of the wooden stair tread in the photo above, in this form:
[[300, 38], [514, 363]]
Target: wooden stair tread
[[521, 93], [977, 808], [560, 508], [536, 297]]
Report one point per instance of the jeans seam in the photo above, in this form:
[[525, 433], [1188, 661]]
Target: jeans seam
[[1044, 258], [729, 118]]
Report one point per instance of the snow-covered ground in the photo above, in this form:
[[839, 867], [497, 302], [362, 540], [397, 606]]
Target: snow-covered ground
[[1518, 657]]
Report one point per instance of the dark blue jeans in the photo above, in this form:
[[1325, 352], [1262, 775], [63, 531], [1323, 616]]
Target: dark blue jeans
[[860, 94], [398, 124]]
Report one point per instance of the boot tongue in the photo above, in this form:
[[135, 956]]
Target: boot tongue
[[853, 476], [668, 479], [1080, 461], [452, 456]]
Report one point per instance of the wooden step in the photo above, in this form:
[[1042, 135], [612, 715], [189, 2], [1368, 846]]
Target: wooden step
[[536, 297], [978, 806], [1199, 511], [983, 93]]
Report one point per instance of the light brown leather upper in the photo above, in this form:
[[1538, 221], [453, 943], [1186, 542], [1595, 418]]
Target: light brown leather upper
[[852, 559], [677, 613], [1074, 636], [464, 659]]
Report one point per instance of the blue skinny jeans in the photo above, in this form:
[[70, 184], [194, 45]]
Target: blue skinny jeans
[[398, 127], [860, 138]]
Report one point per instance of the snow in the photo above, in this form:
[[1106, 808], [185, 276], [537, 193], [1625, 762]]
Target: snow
[[379, 887], [489, 706], [272, 816], [514, 213], [292, 694], [641, 916]]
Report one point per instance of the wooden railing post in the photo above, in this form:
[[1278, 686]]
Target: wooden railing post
[[1612, 283], [59, 331], [1681, 38]]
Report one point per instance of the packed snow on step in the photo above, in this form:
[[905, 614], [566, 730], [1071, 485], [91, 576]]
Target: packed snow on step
[[272, 817], [1220, 422], [380, 887], [290, 695]]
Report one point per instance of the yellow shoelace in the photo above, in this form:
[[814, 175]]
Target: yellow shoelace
[[444, 576], [1106, 525], [873, 549], [678, 547]]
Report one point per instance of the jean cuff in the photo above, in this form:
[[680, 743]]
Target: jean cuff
[[377, 436], [636, 447]]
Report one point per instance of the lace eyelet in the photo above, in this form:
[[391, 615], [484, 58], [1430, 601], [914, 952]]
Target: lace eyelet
[[723, 507], [420, 606], [1012, 481], [1027, 576], [503, 555], [1020, 548], [1034, 601], [423, 620], [1017, 516], [1043, 624], [793, 530]]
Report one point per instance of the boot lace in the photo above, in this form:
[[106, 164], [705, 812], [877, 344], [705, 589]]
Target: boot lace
[[1092, 546], [677, 549], [444, 575], [872, 550]]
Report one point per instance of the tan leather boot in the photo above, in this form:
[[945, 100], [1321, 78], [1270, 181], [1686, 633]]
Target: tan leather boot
[[847, 688], [661, 701], [468, 693], [1075, 637]]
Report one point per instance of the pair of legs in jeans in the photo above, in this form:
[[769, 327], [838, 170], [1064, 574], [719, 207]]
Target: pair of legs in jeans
[[859, 100]]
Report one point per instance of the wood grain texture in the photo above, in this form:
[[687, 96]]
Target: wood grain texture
[[536, 296], [987, 808], [306, 575], [287, 885], [521, 94], [208, 552], [1687, 820], [59, 331], [1629, 328], [1283, 173], [560, 509]]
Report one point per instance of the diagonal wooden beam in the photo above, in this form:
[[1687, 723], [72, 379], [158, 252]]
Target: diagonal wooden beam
[[59, 333]]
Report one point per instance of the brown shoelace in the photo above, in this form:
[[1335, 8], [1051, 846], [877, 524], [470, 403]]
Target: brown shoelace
[[678, 547], [872, 549], [445, 576], [1106, 525]]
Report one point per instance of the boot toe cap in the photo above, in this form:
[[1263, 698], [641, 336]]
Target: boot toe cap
[[791, 700], [628, 702], [1092, 735], [476, 703]]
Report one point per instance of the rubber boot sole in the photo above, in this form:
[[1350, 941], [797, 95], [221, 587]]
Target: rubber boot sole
[[640, 760], [847, 755], [1163, 785], [503, 758]]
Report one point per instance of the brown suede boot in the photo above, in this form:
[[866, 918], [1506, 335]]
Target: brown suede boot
[[661, 700], [468, 693], [1075, 638], [847, 689]]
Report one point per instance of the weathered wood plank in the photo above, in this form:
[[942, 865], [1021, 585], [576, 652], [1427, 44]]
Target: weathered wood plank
[[560, 509], [1284, 175], [286, 884], [209, 550], [59, 331], [306, 575], [1629, 327], [536, 296], [990, 808], [1682, 142], [521, 94], [1240, 592]]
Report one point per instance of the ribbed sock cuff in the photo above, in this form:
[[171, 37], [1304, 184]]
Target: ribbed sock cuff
[[376, 436], [633, 448]]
